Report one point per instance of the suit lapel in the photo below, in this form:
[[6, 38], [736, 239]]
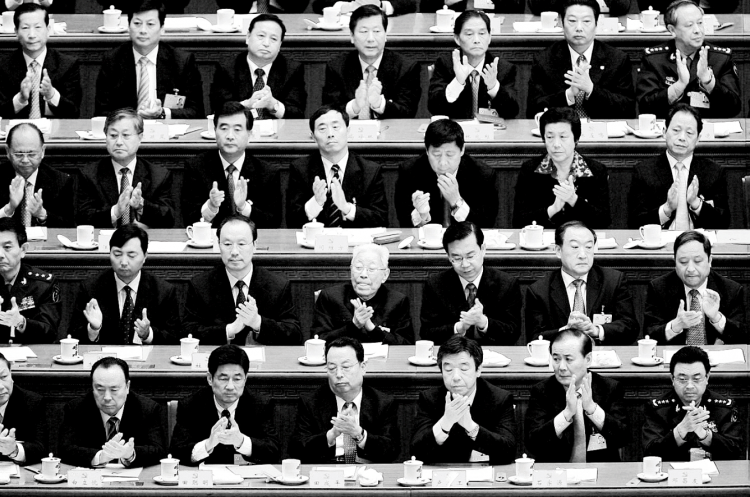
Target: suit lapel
[[141, 175], [277, 76], [597, 61], [109, 301], [353, 178], [107, 180], [664, 171], [242, 79], [593, 292], [353, 71], [561, 62], [130, 81], [145, 295], [223, 292], [456, 295], [559, 294], [164, 83]]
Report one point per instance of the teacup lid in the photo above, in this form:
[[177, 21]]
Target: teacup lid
[[112, 10], [651, 10], [413, 460], [169, 458], [524, 458]]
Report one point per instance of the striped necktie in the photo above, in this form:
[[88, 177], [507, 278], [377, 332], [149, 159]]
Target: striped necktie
[[682, 217], [364, 112], [578, 303], [144, 99], [696, 335], [259, 85], [581, 95], [34, 111], [126, 320], [333, 214], [230, 188], [350, 446], [112, 427], [125, 217], [474, 92], [28, 191]]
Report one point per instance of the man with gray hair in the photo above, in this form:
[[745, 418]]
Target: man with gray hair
[[364, 309], [123, 189]]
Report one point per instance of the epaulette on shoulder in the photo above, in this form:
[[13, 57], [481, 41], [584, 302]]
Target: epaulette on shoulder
[[662, 402], [36, 274], [724, 50], [656, 50], [721, 402]]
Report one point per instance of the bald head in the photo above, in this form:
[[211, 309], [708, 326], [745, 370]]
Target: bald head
[[25, 148]]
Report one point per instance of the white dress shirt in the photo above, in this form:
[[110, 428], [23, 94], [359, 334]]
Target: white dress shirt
[[118, 180], [574, 63], [121, 296], [663, 218], [454, 88], [313, 208], [280, 108], [55, 100], [199, 450], [235, 291], [151, 70], [381, 106], [357, 401], [719, 326], [464, 284], [206, 210]]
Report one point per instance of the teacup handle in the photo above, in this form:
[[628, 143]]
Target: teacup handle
[[189, 232], [640, 230], [528, 347]]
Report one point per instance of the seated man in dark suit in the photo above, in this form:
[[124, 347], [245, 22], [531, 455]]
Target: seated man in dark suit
[[500, 6], [445, 184], [345, 421], [389, 7], [37, 81], [588, 75], [691, 420], [677, 189], [262, 79], [262, 6], [37, 194], [694, 305], [451, 303], [451, 86], [111, 424], [467, 419], [29, 297], [125, 305], [353, 309], [23, 429], [615, 8], [589, 298], [347, 190], [123, 189], [160, 81], [238, 302], [372, 82], [225, 418], [563, 425], [255, 189]]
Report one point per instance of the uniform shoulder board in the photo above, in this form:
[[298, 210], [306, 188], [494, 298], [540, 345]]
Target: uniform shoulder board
[[656, 50], [662, 402], [724, 50], [36, 274], [723, 402]]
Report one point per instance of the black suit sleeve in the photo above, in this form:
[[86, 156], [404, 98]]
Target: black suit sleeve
[[657, 314], [372, 208], [60, 211], [715, 210], [71, 452], [34, 429], [658, 435], [299, 191], [536, 312], [192, 88], [526, 205], [150, 449], [279, 323], [42, 321], [643, 209], [295, 100], [442, 75], [166, 323], [733, 308], [199, 321], [68, 84], [506, 100], [104, 102], [222, 88], [262, 433], [402, 99], [308, 442], [623, 330], [89, 210], [194, 192], [618, 98], [503, 316], [436, 324], [265, 194], [651, 92], [158, 205]]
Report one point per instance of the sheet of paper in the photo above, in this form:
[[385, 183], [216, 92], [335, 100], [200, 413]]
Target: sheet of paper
[[9, 468], [669, 236], [492, 358], [634, 25], [255, 354], [738, 237], [112, 475], [222, 474], [706, 465], [350, 472], [255, 471], [165, 247], [176, 130], [36, 233], [17, 354], [527, 27], [606, 243], [131, 352], [605, 359], [180, 23], [726, 127], [375, 349], [725, 357], [583, 474], [496, 237], [482, 473]]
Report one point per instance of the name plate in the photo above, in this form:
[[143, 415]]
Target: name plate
[[84, 478], [332, 243], [199, 361], [365, 130], [329, 478], [685, 477], [594, 131], [549, 478], [155, 132], [476, 132], [607, 24], [448, 478], [89, 358], [201, 478], [265, 127], [709, 132]]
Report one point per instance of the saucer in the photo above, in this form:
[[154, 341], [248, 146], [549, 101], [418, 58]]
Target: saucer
[[180, 361], [296, 481], [438, 29], [649, 135], [556, 29], [515, 480], [658, 29], [159, 479], [5, 31], [194, 244], [421, 361], [654, 361], [115, 30], [311, 362], [653, 478], [219, 28], [535, 362], [649, 246], [544, 246], [91, 136], [536, 132], [413, 483], [73, 360], [304, 243], [76, 246], [329, 27], [46, 479], [208, 135], [429, 246], [502, 246]]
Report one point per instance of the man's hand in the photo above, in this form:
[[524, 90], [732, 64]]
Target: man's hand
[[17, 185], [449, 188], [117, 449], [338, 197], [152, 112], [461, 69], [46, 89], [673, 196], [571, 399], [26, 85], [454, 410], [685, 319], [216, 430], [320, 190], [360, 97], [711, 304], [142, 326], [250, 102], [695, 420], [240, 193], [683, 71], [13, 316], [35, 205], [123, 201], [579, 79], [346, 422], [374, 93], [566, 192], [489, 73], [421, 202], [136, 197], [692, 193], [93, 314], [581, 322], [7, 441], [215, 196], [587, 394], [362, 314], [232, 435], [266, 100], [702, 70], [248, 314], [473, 317]]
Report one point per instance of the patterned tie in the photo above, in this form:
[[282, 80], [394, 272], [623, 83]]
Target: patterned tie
[[333, 214], [696, 335], [472, 295], [112, 427], [34, 111], [261, 6], [124, 184], [126, 320], [230, 188], [259, 85], [28, 192], [240, 296], [681, 218], [581, 96], [144, 98], [474, 92], [578, 304], [350, 446], [226, 414], [579, 435], [364, 112]]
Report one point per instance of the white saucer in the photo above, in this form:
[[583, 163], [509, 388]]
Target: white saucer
[[306, 244], [76, 246], [515, 480], [535, 247], [658, 29], [180, 361], [502, 246], [216, 28], [329, 27], [653, 478], [194, 244], [556, 29], [536, 132], [429, 246], [438, 29], [208, 135], [646, 246], [413, 483], [296, 481], [170, 482], [535, 362], [420, 361], [654, 361], [75, 360], [115, 30], [310, 362], [5, 31], [91, 136], [649, 135], [616, 133], [45, 479]]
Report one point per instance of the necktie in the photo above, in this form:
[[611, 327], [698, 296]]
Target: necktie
[[124, 184], [472, 295], [696, 335], [446, 214], [1, 419], [230, 187], [261, 6], [25, 213], [581, 96], [474, 93], [34, 111], [240, 296], [126, 320], [226, 414], [350, 446], [112, 427], [364, 112], [144, 99], [333, 214], [682, 218], [579, 436], [259, 84], [578, 303]]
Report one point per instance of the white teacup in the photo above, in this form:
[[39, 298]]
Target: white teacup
[[650, 18], [312, 230], [424, 349], [85, 234], [646, 122], [112, 17], [290, 469], [444, 18], [315, 348], [8, 23], [524, 467], [652, 465], [188, 346], [549, 20], [651, 234], [412, 469], [200, 233], [69, 347], [533, 235], [331, 16], [647, 348], [170, 468], [210, 125], [224, 17], [104, 237], [50, 466], [97, 125], [539, 349], [433, 233]]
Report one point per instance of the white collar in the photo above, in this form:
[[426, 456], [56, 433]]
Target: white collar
[[568, 279], [232, 408], [253, 66], [587, 53], [479, 66], [130, 166], [225, 163], [701, 289], [151, 56], [672, 161], [39, 59], [357, 401], [32, 178], [105, 416], [133, 284], [476, 281], [375, 64], [342, 164], [233, 281]]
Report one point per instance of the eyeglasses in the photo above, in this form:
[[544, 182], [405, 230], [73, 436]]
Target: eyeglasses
[[695, 380], [459, 260], [27, 155], [370, 270]]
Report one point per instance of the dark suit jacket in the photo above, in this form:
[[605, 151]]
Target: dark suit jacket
[[334, 312], [505, 101], [286, 79], [548, 400], [210, 308], [264, 189], [377, 415], [652, 179], [476, 184], [400, 78], [244, 6], [617, 8], [37, 294], [83, 432], [611, 73], [444, 300], [548, 308], [57, 194], [158, 297], [664, 295], [363, 182], [64, 72], [26, 413], [117, 87], [501, 6], [98, 192], [492, 410], [534, 194], [197, 414]]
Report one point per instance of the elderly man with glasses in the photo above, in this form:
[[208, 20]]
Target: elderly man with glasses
[[364, 309]]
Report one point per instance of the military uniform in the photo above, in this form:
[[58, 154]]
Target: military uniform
[[37, 295], [666, 412], [659, 71]]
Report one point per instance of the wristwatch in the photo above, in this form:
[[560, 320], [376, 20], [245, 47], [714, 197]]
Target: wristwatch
[[358, 440], [458, 205]]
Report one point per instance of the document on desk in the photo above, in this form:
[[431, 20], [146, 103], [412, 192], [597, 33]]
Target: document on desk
[[481, 473], [375, 349], [605, 359], [112, 475], [737, 237], [136, 353], [255, 471], [494, 359], [707, 466], [222, 475], [583, 474], [350, 472], [9, 468], [166, 247], [36, 233], [716, 357], [255, 354], [17, 354]]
